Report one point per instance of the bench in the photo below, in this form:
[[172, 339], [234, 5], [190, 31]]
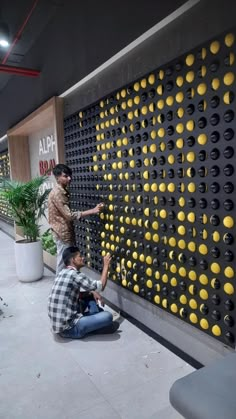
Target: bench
[[208, 393]]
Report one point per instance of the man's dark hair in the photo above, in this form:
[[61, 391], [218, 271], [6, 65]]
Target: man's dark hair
[[69, 253], [61, 168]]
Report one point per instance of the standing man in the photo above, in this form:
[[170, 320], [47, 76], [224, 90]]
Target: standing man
[[64, 308], [60, 216]]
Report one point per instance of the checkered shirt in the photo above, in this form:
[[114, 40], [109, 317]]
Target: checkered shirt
[[64, 298]]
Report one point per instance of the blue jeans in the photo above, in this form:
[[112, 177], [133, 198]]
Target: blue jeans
[[91, 321]]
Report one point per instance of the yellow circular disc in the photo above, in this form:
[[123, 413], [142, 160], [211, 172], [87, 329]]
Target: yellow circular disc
[[124, 282], [142, 257], [169, 100], [143, 83], [203, 294], [228, 288], [164, 303], [201, 89], [149, 272], [151, 79], [193, 304], [180, 128], [129, 103], [203, 249], [179, 97], [136, 87], [191, 217], [215, 268], [149, 260], [204, 53], [181, 201], [164, 278], [162, 187], [173, 268], [231, 58], [183, 299], [192, 246], [193, 318], [215, 47], [148, 235], [229, 272], [180, 81], [174, 308], [153, 148], [204, 324], [155, 238], [163, 213], [229, 39], [215, 84], [144, 110], [153, 136], [146, 174], [172, 241], [160, 89], [202, 139], [157, 275], [192, 275], [173, 282], [149, 283], [180, 113], [154, 187], [147, 212], [203, 279], [157, 299], [182, 244], [191, 187], [191, 157], [181, 216], [146, 187], [189, 60], [190, 76], [155, 225], [161, 133], [228, 78], [216, 236], [160, 104], [228, 222], [216, 330], [145, 149], [203, 71], [136, 288], [181, 230], [161, 74], [182, 271], [137, 100], [171, 159], [129, 264], [123, 93]]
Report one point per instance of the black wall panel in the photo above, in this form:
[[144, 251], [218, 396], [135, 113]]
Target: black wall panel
[[159, 153]]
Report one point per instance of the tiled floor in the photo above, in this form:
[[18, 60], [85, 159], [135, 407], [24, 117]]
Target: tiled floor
[[125, 375]]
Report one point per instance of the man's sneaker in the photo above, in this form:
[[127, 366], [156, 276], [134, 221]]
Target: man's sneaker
[[116, 316]]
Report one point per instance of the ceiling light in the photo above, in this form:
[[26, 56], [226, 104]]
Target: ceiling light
[[4, 35]]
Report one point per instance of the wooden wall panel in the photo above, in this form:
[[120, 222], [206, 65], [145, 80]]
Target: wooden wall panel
[[19, 157]]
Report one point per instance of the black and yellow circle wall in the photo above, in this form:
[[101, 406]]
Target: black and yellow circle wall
[[160, 154]]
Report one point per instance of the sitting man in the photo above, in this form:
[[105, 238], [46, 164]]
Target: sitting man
[[71, 315]]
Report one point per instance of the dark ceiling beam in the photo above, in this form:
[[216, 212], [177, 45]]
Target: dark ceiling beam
[[19, 71]]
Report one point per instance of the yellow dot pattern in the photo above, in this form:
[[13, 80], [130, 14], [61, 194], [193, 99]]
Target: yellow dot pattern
[[160, 154]]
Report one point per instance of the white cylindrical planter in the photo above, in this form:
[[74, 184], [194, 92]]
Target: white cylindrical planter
[[29, 260]]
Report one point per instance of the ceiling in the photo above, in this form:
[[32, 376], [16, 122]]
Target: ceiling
[[65, 40]]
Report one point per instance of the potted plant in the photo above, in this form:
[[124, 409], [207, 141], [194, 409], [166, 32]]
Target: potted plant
[[27, 204]]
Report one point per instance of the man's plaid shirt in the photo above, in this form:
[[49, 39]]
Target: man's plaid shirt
[[63, 303]]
